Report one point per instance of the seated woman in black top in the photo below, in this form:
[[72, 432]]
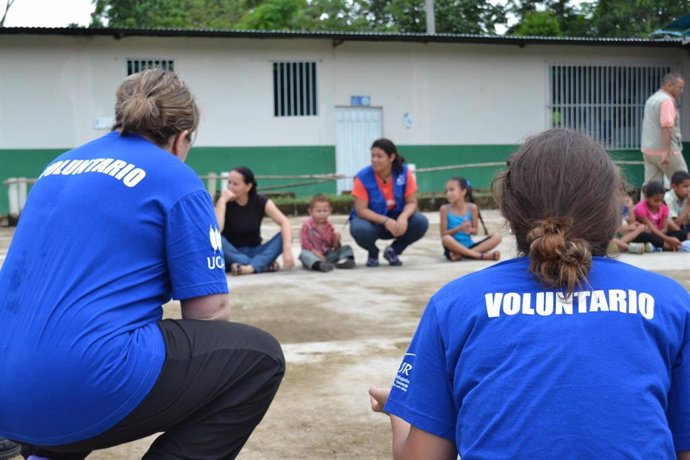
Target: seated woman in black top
[[240, 211]]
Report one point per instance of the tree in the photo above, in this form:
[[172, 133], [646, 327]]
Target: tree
[[552, 18], [539, 23], [607, 18], [603, 18], [452, 16], [276, 15], [468, 16], [7, 8], [185, 14], [636, 18], [337, 15]]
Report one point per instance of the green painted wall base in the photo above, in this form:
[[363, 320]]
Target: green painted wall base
[[318, 160], [22, 163], [271, 161], [204, 160], [429, 156]]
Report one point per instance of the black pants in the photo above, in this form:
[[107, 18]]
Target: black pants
[[647, 237], [216, 384]]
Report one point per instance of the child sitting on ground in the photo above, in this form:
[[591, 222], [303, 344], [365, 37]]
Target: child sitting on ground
[[459, 220], [677, 200], [662, 232], [321, 246], [630, 229]]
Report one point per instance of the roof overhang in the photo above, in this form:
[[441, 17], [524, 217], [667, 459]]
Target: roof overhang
[[341, 37]]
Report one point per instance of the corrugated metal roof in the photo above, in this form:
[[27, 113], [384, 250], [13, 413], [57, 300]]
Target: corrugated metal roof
[[339, 37]]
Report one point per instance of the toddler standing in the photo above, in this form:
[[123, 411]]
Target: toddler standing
[[321, 246]]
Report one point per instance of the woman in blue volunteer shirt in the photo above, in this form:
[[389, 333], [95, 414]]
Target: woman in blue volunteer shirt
[[385, 195], [111, 231], [561, 353]]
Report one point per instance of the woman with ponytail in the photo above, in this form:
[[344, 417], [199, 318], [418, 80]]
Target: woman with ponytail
[[559, 353], [113, 230]]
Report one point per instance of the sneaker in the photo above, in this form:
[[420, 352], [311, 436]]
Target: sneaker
[[636, 248], [373, 262], [346, 263], [649, 247], [392, 258], [8, 449], [323, 266]]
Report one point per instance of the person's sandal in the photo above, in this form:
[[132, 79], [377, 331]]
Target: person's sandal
[[235, 269]]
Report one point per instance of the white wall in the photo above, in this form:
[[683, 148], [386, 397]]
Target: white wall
[[468, 94], [52, 87]]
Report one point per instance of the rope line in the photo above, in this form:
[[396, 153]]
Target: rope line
[[322, 178]]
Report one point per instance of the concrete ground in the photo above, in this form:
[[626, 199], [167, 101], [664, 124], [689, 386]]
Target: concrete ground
[[341, 332]]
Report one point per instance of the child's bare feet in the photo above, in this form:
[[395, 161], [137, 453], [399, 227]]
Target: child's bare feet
[[494, 255], [454, 257]]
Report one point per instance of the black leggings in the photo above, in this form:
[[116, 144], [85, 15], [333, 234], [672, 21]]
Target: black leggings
[[216, 384], [647, 237]]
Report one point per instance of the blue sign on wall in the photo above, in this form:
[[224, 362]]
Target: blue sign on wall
[[360, 101]]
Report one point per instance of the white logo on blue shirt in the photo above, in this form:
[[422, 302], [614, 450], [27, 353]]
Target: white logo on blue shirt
[[214, 236], [552, 303], [402, 379], [215, 261]]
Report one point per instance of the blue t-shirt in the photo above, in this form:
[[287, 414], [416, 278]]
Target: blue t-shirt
[[111, 231], [505, 368]]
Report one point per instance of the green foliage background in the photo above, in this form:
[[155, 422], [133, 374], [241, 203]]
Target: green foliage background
[[602, 18]]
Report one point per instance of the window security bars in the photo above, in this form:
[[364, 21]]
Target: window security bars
[[294, 89], [139, 65], [604, 101]]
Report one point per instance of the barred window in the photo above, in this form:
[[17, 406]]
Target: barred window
[[294, 89], [604, 101], [139, 65]]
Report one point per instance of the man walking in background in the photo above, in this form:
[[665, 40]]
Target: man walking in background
[[661, 144]]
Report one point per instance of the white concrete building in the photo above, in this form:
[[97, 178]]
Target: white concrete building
[[308, 103]]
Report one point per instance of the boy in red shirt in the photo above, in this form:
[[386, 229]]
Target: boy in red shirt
[[321, 246]]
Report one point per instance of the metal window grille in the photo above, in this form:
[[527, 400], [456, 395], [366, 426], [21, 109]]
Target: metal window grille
[[606, 102], [139, 65], [294, 89]]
